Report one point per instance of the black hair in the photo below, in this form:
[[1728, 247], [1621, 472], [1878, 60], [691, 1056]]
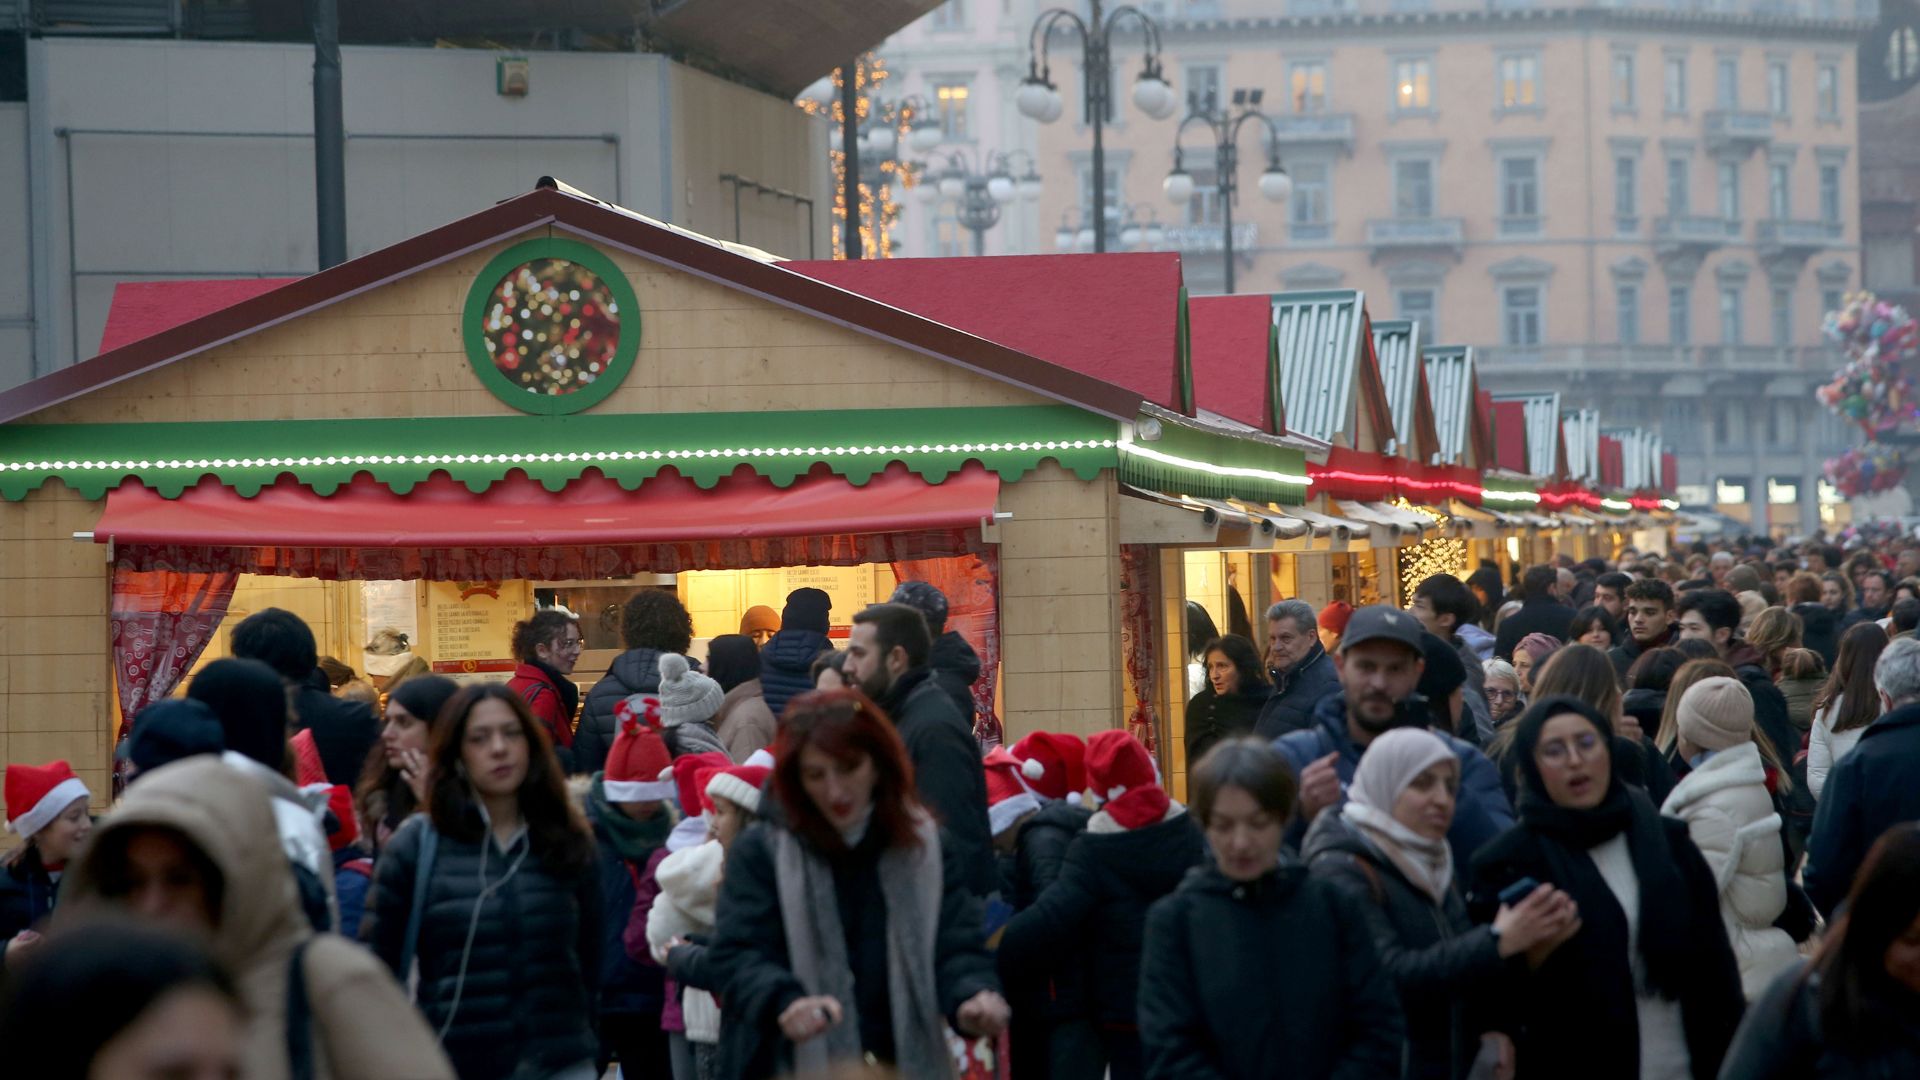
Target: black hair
[[1245, 657], [250, 698], [541, 628], [71, 995], [1716, 606], [732, 659], [424, 696], [1253, 766], [1539, 581], [1696, 649], [1885, 576], [1487, 580], [1906, 616], [898, 625], [1615, 580], [1526, 736], [1200, 629], [1588, 618], [1857, 996], [654, 619], [1655, 668], [1449, 596], [828, 658], [280, 639]]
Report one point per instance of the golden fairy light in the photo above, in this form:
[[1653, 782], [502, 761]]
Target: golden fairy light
[[1438, 554], [878, 210]]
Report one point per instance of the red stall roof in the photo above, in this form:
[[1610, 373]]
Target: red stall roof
[[142, 309], [1232, 338], [1510, 435], [442, 513]]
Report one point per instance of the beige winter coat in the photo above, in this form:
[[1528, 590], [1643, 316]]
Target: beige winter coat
[[744, 722], [1732, 821], [363, 1025]]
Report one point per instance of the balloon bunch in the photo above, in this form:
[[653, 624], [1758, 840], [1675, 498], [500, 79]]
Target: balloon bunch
[[1874, 388], [1866, 470]]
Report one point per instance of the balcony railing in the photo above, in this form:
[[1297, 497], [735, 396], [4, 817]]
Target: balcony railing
[[1674, 234], [1738, 130], [1197, 238], [1655, 359], [1315, 129], [1390, 234], [1780, 236]]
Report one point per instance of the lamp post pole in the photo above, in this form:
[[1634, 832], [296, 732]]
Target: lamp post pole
[[1039, 99], [850, 161], [1225, 127], [979, 187]]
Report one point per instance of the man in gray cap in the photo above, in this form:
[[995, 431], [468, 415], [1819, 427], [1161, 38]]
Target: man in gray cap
[[1381, 660], [956, 667]]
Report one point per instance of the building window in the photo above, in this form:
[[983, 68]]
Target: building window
[[1777, 97], [1674, 93], [1779, 195], [1782, 317], [950, 105], [1726, 83], [1830, 194], [949, 236], [1519, 81], [1679, 314], [1626, 309], [1520, 194], [1626, 194], [1413, 188], [1521, 306], [1830, 300], [1419, 306], [951, 15], [1310, 213], [1203, 88], [1623, 95], [1827, 87], [1729, 190], [1204, 207], [1730, 315], [1678, 183], [1903, 54], [1309, 80], [1413, 83]]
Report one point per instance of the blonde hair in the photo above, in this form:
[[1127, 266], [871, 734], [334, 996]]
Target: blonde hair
[[1774, 631], [1797, 663]]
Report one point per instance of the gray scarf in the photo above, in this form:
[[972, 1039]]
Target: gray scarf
[[912, 883]]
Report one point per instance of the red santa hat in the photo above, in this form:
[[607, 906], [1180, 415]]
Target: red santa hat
[[307, 766], [691, 784], [1008, 797], [36, 794], [738, 784], [1054, 764], [635, 764], [1119, 771]]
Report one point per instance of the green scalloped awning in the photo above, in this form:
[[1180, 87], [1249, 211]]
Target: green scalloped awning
[[477, 451], [1211, 465]]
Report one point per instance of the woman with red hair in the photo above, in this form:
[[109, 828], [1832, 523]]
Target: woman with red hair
[[846, 930]]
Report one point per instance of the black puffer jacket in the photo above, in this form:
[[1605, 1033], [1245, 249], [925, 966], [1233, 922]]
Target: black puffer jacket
[[1036, 859], [636, 671], [956, 667], [1211, 717], [344, 730], [527, 1001], [1271, 978], [1438, 959], [947, 772], [27, 894], [748, 956], [1781, 1038], [785, 660], [1819, 630], [1092, 918]]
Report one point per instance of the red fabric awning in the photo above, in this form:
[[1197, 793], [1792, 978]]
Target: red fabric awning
[[442, 513]]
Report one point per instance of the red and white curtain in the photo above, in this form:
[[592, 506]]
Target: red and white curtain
[[971, 584], [162, 622], [1137, 638]]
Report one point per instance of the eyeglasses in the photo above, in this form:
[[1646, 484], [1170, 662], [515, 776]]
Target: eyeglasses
[[1500, 695], [572, 644], [1561, 751]]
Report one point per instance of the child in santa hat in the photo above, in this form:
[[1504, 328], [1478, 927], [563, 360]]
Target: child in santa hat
[[47, 809], [1085, 929]]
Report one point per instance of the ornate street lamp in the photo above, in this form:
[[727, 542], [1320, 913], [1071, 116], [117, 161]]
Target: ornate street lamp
[[1040, 100], [980, 187], [1225, 125], [1140, 230]]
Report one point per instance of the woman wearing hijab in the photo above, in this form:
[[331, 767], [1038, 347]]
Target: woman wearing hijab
[[1530, 655], [1387, 852], [1644, 983]]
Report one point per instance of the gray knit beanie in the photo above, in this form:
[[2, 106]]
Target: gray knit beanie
[[686, 696]]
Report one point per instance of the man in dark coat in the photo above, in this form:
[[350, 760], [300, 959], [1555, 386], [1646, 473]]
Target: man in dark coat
[[887, 658], [1874, 787], [1444, 604], [1713, 616], [786, 660], [1540, 612], [1649, 623], [1876, 593], [653, 622], [1381, 660], [956, 667], [1301, 670], [344, 730]]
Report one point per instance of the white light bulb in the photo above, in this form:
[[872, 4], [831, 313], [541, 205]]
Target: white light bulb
[[1276, 185], [1002, 189], [1179, 187]]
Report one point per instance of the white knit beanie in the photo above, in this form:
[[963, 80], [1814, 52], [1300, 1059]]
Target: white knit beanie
[[1716, 714], [686, 696]]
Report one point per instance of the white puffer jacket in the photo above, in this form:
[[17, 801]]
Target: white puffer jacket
[[1732, 821], [689, 890]]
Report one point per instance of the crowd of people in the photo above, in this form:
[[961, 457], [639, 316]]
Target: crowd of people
[[1655, 817]]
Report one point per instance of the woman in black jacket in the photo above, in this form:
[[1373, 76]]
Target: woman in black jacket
[[1252, 969], [1089, 922], [1855, 1010], [1236, 691], [1643, 983], [1387, 852], [845, 929], [508, 933]]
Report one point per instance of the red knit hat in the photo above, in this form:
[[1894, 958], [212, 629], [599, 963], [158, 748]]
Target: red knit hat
[[1054, 764], [738, 784], [1008, 797], [1119, 771], [635, 765], [1334, 616], [689, 783], [36, 794]]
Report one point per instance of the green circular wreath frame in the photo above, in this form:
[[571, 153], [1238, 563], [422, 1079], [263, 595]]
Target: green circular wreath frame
[[473, 326]]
